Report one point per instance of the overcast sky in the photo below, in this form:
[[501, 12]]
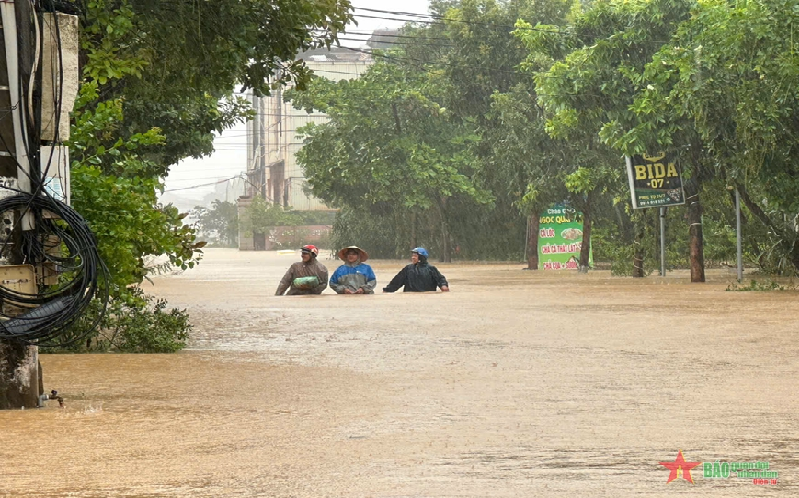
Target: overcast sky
[[230, 157]]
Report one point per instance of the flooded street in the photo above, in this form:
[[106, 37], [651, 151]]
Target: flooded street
[[514, 384]]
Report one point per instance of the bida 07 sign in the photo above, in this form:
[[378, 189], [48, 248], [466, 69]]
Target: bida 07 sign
[[654, 181], [560, 239]]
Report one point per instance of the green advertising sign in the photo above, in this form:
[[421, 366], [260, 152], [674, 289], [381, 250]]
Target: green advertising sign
[[560, 239]]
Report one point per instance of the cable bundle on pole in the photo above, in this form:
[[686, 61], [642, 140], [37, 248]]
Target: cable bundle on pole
[[84, 275]]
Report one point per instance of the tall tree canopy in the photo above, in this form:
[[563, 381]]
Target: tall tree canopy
[[185, 58], [389, 144]]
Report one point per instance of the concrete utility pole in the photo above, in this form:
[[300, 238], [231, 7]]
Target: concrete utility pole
[[19, 363], [39, 66]]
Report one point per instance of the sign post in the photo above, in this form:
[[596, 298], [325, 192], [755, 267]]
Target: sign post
[[738, 238], [655, 181], [662, 242]]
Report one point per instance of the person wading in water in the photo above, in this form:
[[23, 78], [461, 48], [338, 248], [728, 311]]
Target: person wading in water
[[419, 276], [306, 277]]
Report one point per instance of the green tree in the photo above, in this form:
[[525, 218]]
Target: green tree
[[113, 183], [478, 58], [389, 146], [184, 60], [522, 164], [729, 77], [262, 216], [157, 81], [222, 218], [590, 86]]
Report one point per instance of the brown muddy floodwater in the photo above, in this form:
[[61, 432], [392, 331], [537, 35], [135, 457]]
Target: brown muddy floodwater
[[515, 384]]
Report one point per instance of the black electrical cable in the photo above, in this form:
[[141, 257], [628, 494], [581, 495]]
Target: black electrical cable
[[60, 240], [62, 305]]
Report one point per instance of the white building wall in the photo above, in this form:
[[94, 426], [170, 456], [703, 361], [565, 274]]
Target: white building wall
[[278, 125]]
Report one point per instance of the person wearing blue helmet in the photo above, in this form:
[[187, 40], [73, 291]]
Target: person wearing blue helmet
[[419, 276]]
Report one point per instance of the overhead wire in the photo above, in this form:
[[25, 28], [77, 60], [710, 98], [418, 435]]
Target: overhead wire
[[203, 184], [438, 19]]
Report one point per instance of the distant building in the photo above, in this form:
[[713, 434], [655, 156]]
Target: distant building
[[272, 141], [229, 190], [384, 38]]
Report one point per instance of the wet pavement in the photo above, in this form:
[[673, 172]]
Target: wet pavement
[[514, 384]]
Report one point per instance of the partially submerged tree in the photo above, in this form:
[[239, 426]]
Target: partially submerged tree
[[729, 79], [262, 216], [222, 219], [158, 80]]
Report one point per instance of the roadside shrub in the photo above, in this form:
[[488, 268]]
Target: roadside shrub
[[134, 323]]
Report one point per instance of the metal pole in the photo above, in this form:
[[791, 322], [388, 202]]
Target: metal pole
[[527, 237], [739, 235], [19, 377], [662, 242]]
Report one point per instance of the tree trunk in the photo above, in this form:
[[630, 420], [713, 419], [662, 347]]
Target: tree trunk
[[414, 240], [585, 249], [19, 376], [446, 249], [533, 227], [790, 248], [638, 247], [696, 239], [757, 211]]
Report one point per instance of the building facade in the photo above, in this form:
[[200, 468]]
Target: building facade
[[272, 141]]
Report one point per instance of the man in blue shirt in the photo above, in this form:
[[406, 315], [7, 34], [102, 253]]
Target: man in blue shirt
[[353, 277]]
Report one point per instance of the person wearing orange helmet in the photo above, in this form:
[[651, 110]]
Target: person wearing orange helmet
[[306, 277]]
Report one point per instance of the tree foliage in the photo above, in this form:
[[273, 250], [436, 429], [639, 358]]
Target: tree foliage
[[732, 69], [157, 80], [389, 145], [223, 220], [261, 216], [178, 63]]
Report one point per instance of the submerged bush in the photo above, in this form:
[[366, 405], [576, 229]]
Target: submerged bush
[[133, 323]]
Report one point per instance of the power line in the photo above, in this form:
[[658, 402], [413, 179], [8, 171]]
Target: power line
[[436, 19], [402, 43], [398, 58], [193, 179], [422, 18], [389, 35], [204, 184]]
